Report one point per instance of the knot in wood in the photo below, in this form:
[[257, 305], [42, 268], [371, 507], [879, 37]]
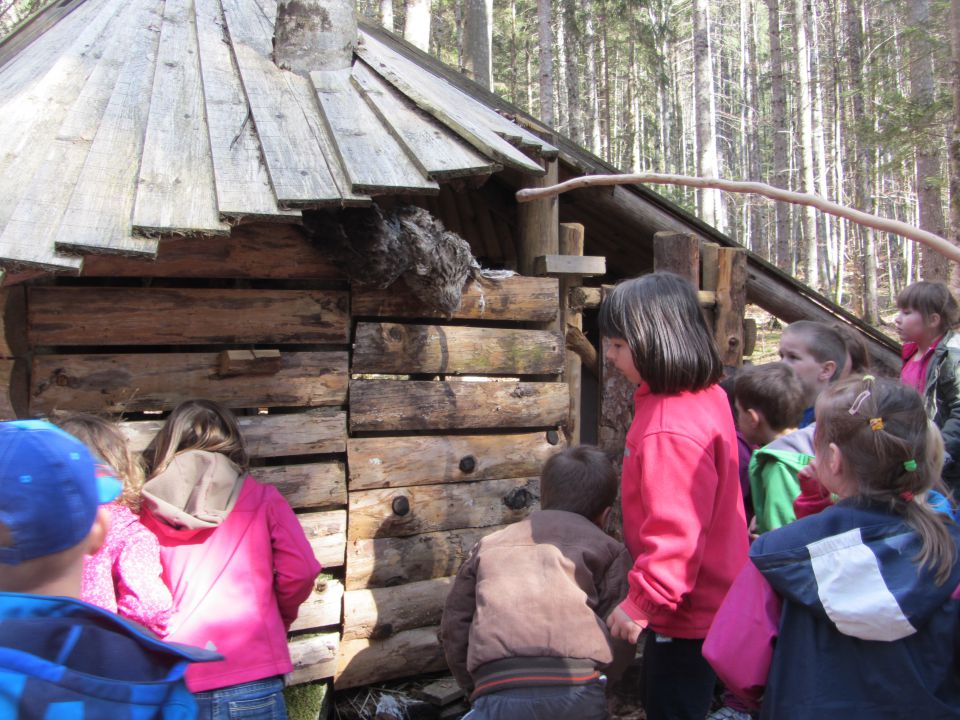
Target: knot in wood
[[553, 437], [468, 463], [518, 499], [401, 505], [381, 632]]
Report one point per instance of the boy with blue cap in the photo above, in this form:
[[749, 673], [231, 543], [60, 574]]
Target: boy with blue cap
[[60, 657]]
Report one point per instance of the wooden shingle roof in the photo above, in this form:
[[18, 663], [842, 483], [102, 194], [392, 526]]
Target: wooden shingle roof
[[125, 120]]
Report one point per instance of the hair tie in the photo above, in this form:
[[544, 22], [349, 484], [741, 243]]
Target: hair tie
[[906, 496], [876, 424], [910, 465], [869, 378]]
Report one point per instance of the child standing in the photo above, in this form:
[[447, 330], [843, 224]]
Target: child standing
[[769, 401], [554, 568], [860, 594], [818, 354], [235, 558], [60, 657], [683, 518], [931, 362], [124, 576]]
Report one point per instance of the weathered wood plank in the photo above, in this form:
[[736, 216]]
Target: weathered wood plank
[[395, 348], [374, 161], [181, 316], [455, 404], [383, 462], [312, 485], [286, 117], [252, 251], [319, 430], [242, 186], [582, 265], [391, 562], [98, 214], [431, 147], [731, 302], [514, 299], [39, 39], [323, 608], [678, 253], [14, 389], [395, 512], [589, 298], [382, 612], [453, 108], [175, 188], [314, 657], [409, 653], [135, 382], [327, 533], [13, 321]]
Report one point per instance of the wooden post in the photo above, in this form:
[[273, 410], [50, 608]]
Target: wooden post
[[14, 361], [314, 35], [709, 254], [571, 243], [731, 303], [677, 253], [539, 224]]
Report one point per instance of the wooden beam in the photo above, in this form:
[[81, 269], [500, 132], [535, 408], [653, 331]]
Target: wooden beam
[[14, 389], [589, 298], [569, 265], [678, 253], [327, 534], [248, 362], [570, 244], [322, 608], [731, 303], [538, 224], [311, 485], [381, 612], [406, 654], [314, 657]]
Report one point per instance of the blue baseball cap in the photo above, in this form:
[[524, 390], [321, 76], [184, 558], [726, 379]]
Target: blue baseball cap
[[50, 489]]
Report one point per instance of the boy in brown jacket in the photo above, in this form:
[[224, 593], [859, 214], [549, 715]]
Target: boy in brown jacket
[[523, 628]]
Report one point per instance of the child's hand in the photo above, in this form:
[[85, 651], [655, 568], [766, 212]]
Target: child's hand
[[623, 627]]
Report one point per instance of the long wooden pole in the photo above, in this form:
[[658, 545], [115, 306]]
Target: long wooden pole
[[935, 242]]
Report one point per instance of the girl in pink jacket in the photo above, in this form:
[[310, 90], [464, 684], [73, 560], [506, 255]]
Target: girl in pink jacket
[[124, 576], [235, 557]]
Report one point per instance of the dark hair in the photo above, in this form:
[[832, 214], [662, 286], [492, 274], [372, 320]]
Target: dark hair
[[823, 343], [773, 390], [659, 318], [856, 348], [880, 426], [197, 425], [928, 298], [580, 480]]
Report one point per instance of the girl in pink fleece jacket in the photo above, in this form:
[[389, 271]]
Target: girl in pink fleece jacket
[[124, 576], [683, 518], [235, 557]]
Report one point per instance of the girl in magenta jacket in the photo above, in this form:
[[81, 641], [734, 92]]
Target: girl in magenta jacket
[[234, 555], [683, 517], [124, 576]]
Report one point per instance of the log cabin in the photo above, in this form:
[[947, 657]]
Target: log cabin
[[163, 167]]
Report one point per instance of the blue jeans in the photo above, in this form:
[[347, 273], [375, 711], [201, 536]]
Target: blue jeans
[[562, 702], [256, 700]]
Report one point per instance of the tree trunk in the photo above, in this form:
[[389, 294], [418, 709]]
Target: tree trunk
[[955, 138], [781, 161], [416, 24], [590, 78], [478, 42], [808, 216], [574, 109], [544, 18], [711, 203], [302, 42]]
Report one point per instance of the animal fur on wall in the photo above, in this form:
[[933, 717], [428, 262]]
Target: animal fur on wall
[[376, 247]]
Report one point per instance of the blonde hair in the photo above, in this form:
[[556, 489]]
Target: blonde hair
[[890, 451], [197, 425], [106, 440]]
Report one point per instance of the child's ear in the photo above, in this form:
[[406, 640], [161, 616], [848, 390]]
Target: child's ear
[[827, 370], [933, 320], [835, 460], [601, 520], [98, 533]]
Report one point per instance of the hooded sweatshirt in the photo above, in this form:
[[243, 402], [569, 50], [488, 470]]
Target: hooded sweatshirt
[[773, 477], [864, 632], [237, 563]]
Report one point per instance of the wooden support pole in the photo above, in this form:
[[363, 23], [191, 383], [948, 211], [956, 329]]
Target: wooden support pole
[[731, 303], [571, 241], [677, 253], [539, 224]]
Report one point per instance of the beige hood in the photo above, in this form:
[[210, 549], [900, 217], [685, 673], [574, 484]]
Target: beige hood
[[197, 490]]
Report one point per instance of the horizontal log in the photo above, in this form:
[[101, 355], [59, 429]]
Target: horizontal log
[[391, 562], [313, 485], [402, 461], [136, 382], [382, 612], [513, 299], [455, 404], [394, 348], [589, 298], [314, 657], [251, 251], [395, 512], [322, 609], [320, 430], [327, 533], [406, 654], [565, 265], [60, 315], [14, 389], [248, 362]]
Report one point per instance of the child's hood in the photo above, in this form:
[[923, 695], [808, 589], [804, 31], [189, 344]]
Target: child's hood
[[854, 566], [197, 490]]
